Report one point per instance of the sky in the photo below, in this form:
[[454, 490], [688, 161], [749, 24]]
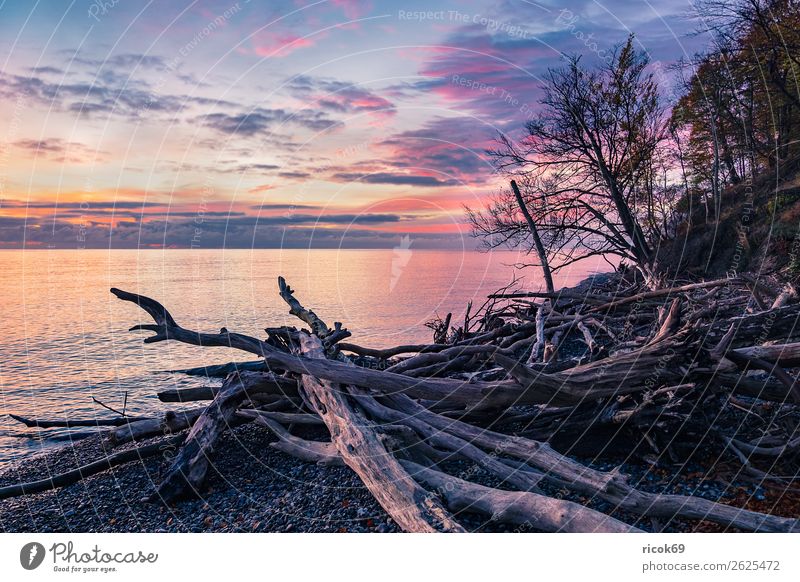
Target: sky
[[287, 123]]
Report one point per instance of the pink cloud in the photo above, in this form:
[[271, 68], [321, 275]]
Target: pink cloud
[[279, 44]]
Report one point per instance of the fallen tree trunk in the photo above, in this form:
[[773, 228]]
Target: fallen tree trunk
[[271, 384], [172, 422], [70, 423], [103, 464], [363, 451], [529, 510], [188, 471]]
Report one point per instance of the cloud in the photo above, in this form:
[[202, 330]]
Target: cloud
[[339, 96], [395, 179], [262, 120], [289, 231], [353, 9], [453, 147], [90, 98], [294, 175], [60, 150], [251, 168], [279, 44], [46, 70], [93, 204], [282, 206]]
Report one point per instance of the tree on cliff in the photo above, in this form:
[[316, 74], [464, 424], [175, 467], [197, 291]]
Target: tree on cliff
[[587, 159]]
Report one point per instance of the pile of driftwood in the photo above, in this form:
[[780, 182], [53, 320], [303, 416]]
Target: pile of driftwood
[[522, 388]]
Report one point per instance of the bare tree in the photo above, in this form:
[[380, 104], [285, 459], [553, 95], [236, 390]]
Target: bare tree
[[585, 155]]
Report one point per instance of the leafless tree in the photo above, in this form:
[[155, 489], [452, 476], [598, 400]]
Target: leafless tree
[[584, 160]]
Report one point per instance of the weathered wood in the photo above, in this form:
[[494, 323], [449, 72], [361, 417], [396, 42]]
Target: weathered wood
[[70, 423], [386, 353], [272, 384], [427, 359], [172, 422], [361, 448], [282, 417], [318, 327], [187, 474], [531, 511], [610, 487], [757, 328], [222, 370], [311, 451], [538, 345], [103, 464], [787, 294], [787, 355], [665, 292], [615, 375]]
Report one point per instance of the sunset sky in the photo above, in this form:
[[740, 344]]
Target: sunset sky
[[278, 123]]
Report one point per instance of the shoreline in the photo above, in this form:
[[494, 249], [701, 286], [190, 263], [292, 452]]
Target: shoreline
[[252, 487]]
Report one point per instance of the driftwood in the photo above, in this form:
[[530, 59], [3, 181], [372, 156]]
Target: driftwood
[[71, 423], [188, 470], [312, 451], [618, 371], [172, 422], [362, 449], [528, 510], [103, 464]]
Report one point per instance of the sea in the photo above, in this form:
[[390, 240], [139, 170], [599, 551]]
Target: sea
[[65, 337]]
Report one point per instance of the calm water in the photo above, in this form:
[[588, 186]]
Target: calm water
[[64, 335]]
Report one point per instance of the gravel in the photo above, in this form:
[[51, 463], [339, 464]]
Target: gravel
[[255, 488], [251, 488]]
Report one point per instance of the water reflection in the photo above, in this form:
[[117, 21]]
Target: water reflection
[[65, 336]]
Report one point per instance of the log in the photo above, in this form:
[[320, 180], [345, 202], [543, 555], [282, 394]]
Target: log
[[386, 353], [771, 368], [787, 355], [427, 359], [522, 508], [363, 451], [625, 373], [172, 422], [310, 451], [538, 345], [188, 394], [776, 324], [787, 448], [108, 462], [188, 471], [665, 292], [610, 487], [71, 423], [788, 293], [272, 384], [222, 370], [282, 417]]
